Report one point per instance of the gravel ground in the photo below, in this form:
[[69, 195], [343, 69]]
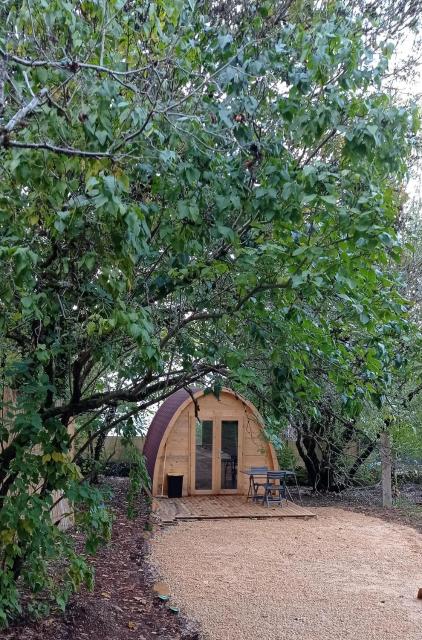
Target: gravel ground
[[343, 575], [406, 510]]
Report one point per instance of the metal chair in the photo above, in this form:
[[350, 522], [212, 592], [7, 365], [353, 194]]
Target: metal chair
[[255, 484], [272, 487], [292, 474]]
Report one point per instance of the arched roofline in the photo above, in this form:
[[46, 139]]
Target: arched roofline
[[189, 400]]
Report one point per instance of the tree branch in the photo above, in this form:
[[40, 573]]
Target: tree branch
[[73, 65], [2, 83], [324, 141], [412, 394], [21, 114], [67, 151], [136, 394]]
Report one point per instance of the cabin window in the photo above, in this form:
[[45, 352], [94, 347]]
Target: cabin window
[[228, 456], [203, 454]]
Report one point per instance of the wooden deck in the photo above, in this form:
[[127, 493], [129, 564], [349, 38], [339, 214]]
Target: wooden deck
[[170, 510]]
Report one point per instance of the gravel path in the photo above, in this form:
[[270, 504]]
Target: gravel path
[[341, 576]]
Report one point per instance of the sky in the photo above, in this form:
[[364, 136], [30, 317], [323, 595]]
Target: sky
[[411, 88]]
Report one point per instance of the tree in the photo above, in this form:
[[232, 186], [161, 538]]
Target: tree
[[180, 184]]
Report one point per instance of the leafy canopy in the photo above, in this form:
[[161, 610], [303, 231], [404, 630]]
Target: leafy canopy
[[188, 193]]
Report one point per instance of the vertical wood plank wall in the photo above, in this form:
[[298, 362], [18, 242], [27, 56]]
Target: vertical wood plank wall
[[255, 450]]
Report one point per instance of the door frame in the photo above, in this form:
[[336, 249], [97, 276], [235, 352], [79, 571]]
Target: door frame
[[217, 418], [192, 464], [229, 417]]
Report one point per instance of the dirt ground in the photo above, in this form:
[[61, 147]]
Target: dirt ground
[[343, 576], [123, 605]]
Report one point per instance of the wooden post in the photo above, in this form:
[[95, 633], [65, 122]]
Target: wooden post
[[385, 453]]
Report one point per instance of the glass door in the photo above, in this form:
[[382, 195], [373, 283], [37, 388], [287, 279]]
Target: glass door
[[204, 449], [229, 455], [215, 454]]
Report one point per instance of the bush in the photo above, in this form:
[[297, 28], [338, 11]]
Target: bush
[[116, 469]]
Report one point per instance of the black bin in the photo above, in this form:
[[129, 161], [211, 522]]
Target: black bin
[[174, 486]]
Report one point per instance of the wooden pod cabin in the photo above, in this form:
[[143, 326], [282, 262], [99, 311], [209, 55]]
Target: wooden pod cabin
[[209, 451]]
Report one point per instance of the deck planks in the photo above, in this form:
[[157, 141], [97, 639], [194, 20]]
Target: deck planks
[[170, 510]]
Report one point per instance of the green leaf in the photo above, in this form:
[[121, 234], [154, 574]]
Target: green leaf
[[386, 239], [297, 280], [226, 232], [225, 40], [329, 199], [373, 130], [101, 136]]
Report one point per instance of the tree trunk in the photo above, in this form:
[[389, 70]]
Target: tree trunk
[[310, 460], [360, 460], [98, 449], [385, 452], [324, 472]]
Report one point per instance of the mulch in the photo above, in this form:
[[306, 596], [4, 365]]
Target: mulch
[[123, 605]]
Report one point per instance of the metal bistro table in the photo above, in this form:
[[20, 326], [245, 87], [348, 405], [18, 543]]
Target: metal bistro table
[[261, 472]]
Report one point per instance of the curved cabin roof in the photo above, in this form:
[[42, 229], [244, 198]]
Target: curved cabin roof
[[159, 425]]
